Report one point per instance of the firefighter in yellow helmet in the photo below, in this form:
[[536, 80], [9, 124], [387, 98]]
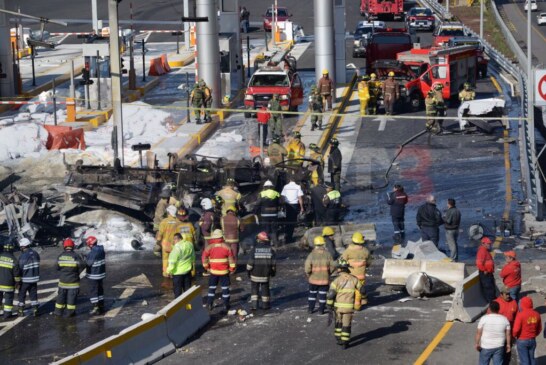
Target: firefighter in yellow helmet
[[319, 265], [330, 243], [165, 237], [391, 93], [363, 94], [316, 168], [230, 195], [467, 94], [326, 88], [374, 89], [359, 258], [344, 298], [296, 150]]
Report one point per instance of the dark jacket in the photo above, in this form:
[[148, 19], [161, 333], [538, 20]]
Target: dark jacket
[[268, 203], [261, 263], [207, 223], [334, 160], [331, 247], [96, 263], [452, 218], [29, 263], [397, 200], [9, 272], [429, 216], [70, 264]]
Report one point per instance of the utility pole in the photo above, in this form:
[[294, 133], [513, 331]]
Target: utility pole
[[94, 16], [115, 71], [187, 24], [132, 71]]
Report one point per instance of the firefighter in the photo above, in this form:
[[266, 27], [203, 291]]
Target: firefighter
[[317, 169], [326, 88], [96, 272], [344, 298], [374, 89], [332, 202], [430, 110], [329, 241], [161, 207], [275, 122], [231, 227], [319, 265], [296, 150], [334, 164], [197, 98], [440, 105], [10, 278], [391, 93], [230, 196], [29, 265], [185, 225], [181, 263], [165, 236], [276, 152], [267, 208], [316, 105], [359, 258], [363, 94], [207, 99], [218, 260], [263, 116], [261, 267], [217, 203], [206, 222], [70, 265], [467, 94]]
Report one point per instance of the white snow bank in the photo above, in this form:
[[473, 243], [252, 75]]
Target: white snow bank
[[21, 140], [115, 231], [229, 138]]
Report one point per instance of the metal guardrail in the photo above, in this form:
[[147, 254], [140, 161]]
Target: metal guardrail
[[533, 188]]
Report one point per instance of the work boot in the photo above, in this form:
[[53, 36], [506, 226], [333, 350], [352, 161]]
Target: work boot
[[206, 273], [58, 312], [254, 305], [70, 313], [95, 311], [338, 341], [21, 312], [35, 311]]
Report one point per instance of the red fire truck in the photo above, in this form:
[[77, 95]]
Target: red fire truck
[[451, 67], [382, 8], [386, 44]]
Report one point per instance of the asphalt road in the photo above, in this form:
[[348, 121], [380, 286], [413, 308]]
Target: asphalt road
[[516, 18]]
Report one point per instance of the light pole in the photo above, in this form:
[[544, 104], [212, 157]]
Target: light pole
[[481, 19], [115, 70]]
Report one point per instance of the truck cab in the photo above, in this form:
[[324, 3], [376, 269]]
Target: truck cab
[[386, 44], [445, 31], [363, 33], [483, 61], [270, 80], [382, 8]]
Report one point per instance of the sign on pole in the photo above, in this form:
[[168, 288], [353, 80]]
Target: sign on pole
[[540, 88]]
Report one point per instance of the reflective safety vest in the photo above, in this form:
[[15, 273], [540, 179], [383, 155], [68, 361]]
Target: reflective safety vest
[[363, 91], [269, 202], [344, 292], [332, 199], [69, 264]]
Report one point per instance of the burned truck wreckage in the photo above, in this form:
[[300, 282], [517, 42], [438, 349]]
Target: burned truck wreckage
[[135, 191]]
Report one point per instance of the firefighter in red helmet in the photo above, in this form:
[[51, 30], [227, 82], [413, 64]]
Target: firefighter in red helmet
[[70, 265], [95, 263]]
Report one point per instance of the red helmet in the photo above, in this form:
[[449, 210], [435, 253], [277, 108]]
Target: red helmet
[[91, 241], [262, 236], [486, 241], [68, 243]]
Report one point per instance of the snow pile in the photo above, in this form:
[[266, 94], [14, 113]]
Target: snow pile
[[115, 231], [22, 139], [229, 138]]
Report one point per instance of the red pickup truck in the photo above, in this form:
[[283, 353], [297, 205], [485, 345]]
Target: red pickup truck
[[386, 44]]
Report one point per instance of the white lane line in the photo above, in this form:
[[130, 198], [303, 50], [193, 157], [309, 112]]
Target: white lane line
[[45, 282], [127, 293], [382, 124]]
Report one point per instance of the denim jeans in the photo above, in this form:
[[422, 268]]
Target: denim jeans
[[496, 354], [514, 293], [526, 351]]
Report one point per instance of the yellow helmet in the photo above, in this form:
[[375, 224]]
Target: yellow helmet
[[319, 241], [328, 231], [373, 76], [324, 71], [358, 238], [232, 208], [391, 74]]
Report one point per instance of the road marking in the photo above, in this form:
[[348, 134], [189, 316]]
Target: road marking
[[45, 282], [382, 124], [129, 286], [441, 334]]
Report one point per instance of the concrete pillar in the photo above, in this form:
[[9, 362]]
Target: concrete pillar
[[324, 38], [187, 24], [7, 86], [208, 48], [115, 70], [340, 44], [94, 16]]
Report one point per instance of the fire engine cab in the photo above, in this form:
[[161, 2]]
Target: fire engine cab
[[451, 67], [382, 8], [281, 79]]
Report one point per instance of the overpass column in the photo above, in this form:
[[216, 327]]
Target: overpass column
[[208, 48], [340, 44], [324, 38], [7, 84]]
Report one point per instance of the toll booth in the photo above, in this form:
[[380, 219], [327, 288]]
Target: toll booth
[[230, 65]]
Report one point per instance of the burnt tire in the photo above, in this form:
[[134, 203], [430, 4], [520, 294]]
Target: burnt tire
[[415, 103]]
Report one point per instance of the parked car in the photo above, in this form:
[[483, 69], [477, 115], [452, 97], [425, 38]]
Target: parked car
[[420, 18], [363, 32], [282, 15], [534, 6], [541, 18], [445, 31]]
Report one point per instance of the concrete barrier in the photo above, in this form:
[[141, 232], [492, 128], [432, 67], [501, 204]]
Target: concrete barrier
[[468, 301], [395, 272], [185, 316]]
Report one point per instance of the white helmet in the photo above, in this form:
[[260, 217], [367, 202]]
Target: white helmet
[[171, 209], [206, 204], [268, 183], [24, 242], [267, 162]]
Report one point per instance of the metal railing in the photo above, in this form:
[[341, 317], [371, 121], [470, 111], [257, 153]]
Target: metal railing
[[532, 186]]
